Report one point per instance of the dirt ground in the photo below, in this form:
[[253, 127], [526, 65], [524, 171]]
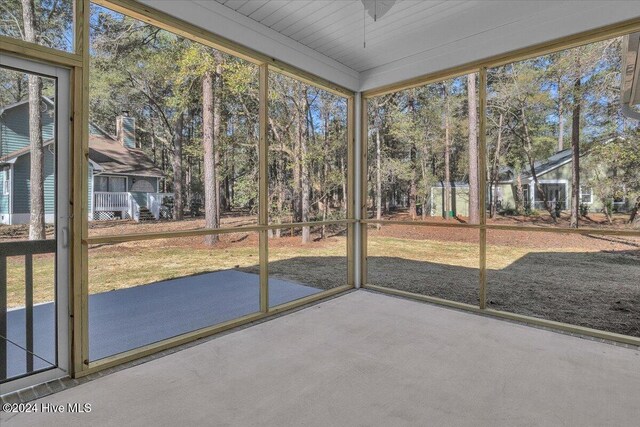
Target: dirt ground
[[588, 280]]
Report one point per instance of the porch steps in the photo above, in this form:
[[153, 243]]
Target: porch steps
[[146, 215]]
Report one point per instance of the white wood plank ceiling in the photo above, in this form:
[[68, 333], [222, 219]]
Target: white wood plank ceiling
[[336, 28], [326, 37]]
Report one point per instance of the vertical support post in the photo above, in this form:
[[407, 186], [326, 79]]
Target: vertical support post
[[79, 295], [28, 305], [351, 279], [364, 141], [482, 169], [3, 317], [357, 195], [263, 190], [75, 193]]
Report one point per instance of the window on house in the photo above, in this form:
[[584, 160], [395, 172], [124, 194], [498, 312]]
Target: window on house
[[117, 184], [586, 195], [112, 184], [6, 181]]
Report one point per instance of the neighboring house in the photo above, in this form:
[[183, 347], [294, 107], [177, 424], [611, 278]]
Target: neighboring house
[[459, 199], [554, 176], [123, 181]]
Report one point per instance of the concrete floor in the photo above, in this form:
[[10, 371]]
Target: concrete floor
[[369, 359]]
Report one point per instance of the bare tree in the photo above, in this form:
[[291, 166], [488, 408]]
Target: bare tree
[[36, 224], [210, 123], [575, 148], [474, 205], [495, 169], [304, 165], [378, 192], [413, 152], [560, 115], [178, 205], [447, 152]]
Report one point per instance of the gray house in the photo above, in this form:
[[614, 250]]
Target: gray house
[[554, 177], [123, 181]]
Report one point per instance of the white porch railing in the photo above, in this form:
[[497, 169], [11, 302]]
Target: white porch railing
[[127, 205], [104, 201], [116, 202]]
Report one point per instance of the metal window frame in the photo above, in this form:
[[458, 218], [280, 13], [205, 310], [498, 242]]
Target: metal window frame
[[481, 67]]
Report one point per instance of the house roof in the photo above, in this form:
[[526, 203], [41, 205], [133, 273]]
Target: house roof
[[21, 152], [104, 150], [113, 157], [47, 100], [507, 173], [555, 161]]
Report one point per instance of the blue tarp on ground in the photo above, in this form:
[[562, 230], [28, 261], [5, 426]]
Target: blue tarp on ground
[[125, 319]]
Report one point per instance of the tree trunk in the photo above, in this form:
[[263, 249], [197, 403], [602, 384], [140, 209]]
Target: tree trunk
[[153, 143], [607, 212], [425, 183], [217, 127], [634, 218], [495, 170], [447, 156], [37, 218], [208, 141], [164, 167], [297, 160], [304, 172], [560, 118], [520, 202], [413, 156], [188, 183], [176, 162], [378, 176], [343, 169], [413, 186], [325, 192], [474, 203], [575, 150], [280, 190], [528, 149]]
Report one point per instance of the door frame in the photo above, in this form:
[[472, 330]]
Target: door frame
[[62, 217]]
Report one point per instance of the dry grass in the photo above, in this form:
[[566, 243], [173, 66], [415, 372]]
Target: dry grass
[[587, 286], [585, 280]]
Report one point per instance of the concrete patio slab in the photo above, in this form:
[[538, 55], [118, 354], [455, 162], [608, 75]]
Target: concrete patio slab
[[125, 319], [369, 359]]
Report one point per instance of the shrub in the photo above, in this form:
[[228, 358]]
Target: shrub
[[510, 212], [584, 209]]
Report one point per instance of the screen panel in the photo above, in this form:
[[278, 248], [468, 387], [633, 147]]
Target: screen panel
[[440, 262], [146, 291], [585, 280]]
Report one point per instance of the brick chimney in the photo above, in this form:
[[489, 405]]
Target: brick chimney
[[126, 130]]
